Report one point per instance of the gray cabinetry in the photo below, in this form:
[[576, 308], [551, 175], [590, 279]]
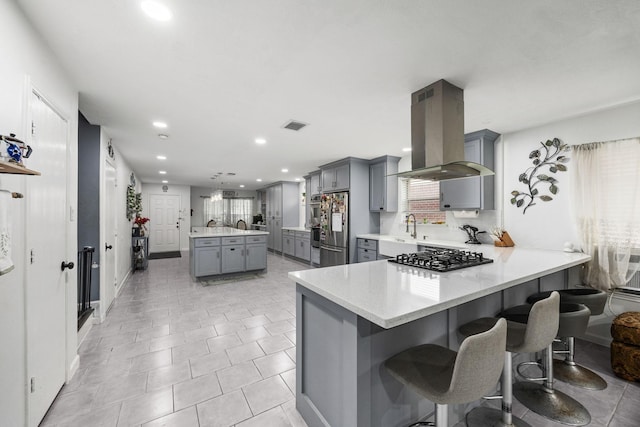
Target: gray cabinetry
[[367, 250], [288, 242], [335, 178], [232, 254], [256, 255], [314, 186], [383, 184], [282, 211], [205, 255], [303, 245], [475, 192]]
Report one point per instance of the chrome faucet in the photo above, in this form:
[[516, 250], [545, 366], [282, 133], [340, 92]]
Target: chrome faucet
[[415, 233]]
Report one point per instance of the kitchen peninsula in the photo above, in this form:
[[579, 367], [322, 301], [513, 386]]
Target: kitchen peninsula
[[351, 318], [215, 251]]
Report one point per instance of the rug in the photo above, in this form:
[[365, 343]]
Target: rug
[[163, 255], [230, 279]]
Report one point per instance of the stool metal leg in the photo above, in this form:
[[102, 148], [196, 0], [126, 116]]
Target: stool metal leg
[[569, 372], [442, 415], [550, 403], [491, 417]]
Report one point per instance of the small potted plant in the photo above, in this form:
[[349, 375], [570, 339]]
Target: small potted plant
[[140, 228]]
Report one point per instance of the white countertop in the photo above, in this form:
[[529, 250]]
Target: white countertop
[[389, 294], [197, 232], [306, 230]]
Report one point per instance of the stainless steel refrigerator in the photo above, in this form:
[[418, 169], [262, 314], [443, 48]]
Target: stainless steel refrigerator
[[334, 229]]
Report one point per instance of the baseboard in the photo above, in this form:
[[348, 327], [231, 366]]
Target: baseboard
[[73, 368], [122, 282]]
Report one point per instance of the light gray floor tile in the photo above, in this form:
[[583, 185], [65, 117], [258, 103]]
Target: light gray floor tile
[[293, 415], [224, 411], [185, 418], [223, 342], [187, 351], [275, 343], [238, 314], [274, 364], [272, 418], [71, 404], [117, 389], [291, 353], [106, 416], [229, 327], [209, 363], [280, 327], [276, 316], [147, 407], [254, 321], [199, 334], [267, 394], [188, 393], [153, 332], [167, 341], [127, 351], [244, 353], [168, 375], [291, 335], [253, 334], [289, 378], [238, 376], [150, 361]]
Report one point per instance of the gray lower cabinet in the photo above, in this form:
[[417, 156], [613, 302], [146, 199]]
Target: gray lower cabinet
[[256, 256], [303, 246], [232, 259], [288, 242], [207, 261], [367, 250]]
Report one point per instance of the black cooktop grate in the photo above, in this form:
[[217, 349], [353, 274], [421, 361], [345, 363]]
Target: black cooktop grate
[[441, 259]]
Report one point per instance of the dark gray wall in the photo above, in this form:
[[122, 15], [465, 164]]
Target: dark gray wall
[[89, 194]]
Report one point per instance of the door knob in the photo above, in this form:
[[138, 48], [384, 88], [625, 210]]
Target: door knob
[[68, 265], [107, 247]]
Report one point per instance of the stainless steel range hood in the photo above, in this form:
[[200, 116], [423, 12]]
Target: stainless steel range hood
[[437, 135]]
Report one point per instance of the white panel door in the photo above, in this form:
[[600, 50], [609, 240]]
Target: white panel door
[[164, 225], [109, 247], [46, 283]]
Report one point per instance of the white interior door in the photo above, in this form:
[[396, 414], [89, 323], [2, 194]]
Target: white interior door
[[46, 283], [164, 224], [109, 247]]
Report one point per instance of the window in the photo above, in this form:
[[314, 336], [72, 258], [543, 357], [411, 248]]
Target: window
[[422, 198], [228, 211]]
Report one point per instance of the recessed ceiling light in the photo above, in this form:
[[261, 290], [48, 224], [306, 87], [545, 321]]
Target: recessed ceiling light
[[285, 170], [259, 179], [298, 179], [261, 141], [160, 125], [161, 157], [162, 172], [406, 149], [156, 11], [163, 136], [164, 181], [241, 185]]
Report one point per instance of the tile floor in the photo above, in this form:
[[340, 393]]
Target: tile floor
[[175, 353]]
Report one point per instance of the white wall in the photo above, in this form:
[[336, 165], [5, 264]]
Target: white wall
[[184, 191], [548, 225], [25, 54]]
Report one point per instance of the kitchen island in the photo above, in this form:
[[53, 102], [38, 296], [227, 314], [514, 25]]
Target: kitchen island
[[216, 251], [351, 318]]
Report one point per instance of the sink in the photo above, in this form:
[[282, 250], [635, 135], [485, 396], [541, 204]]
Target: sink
[[395, 247]]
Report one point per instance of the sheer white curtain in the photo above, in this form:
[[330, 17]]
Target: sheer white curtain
[[606, 202], [228, 211]]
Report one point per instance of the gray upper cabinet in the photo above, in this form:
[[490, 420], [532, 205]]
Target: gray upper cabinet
[[383, 185], [475, 192], [335, 178], [282, 211], [314, 186]]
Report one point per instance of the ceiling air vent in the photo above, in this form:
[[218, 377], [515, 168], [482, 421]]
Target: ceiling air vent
[[294, 125]]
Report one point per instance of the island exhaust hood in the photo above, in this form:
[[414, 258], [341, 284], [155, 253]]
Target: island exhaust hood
[[437, 135]]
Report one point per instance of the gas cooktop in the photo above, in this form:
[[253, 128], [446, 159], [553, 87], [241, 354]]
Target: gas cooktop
[[442, 259]]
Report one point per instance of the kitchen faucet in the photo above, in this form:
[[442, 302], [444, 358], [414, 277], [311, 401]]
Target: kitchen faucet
[[415, 233]]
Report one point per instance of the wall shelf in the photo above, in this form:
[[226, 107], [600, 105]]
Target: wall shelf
[[13, 168]]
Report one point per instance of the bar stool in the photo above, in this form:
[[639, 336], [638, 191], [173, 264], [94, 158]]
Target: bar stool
[[568, 370], [443, 376], [542, 398], [536, 335]]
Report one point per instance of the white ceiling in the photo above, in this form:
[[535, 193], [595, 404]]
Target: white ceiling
[[223, 73]]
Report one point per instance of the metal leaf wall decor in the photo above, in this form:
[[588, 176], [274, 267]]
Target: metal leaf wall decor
[[549, 159]]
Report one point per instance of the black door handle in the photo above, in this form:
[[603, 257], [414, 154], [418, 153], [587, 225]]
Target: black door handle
[[68, 265], [107, 247]]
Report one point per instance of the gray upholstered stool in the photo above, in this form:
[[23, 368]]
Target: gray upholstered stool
[[567, 370], [542, 398], [444, 376], [536, 335]]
